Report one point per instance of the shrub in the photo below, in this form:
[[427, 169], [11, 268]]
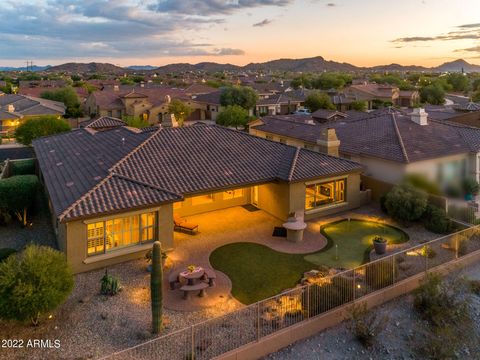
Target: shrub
[[421, 182], [405, 202], [436, 220], [383, 199], [6, 252], [23, 167], [34, 128], [459, 242], [17, 194], [33, 283], [380, 274], [441, 302], [470, 186], [5, 217], [109, 285], [475, 286], [428, 252], [365, 325], [326, 296]]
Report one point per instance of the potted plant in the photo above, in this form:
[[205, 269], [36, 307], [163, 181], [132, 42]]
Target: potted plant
[[148, 257], [380, 245], [470, 188], [191, 268]]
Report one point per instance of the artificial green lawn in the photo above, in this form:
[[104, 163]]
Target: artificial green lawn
[[354, 241], [258, 272]]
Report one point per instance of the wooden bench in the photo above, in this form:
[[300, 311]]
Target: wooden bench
[[182, 224], [173, 279], [187, 289], [210, 276]]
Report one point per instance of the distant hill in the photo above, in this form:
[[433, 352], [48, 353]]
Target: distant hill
[[203, 66], [398, 67], [24, 68], [142, 67], [82, 68], [457, 66], [315, 64]]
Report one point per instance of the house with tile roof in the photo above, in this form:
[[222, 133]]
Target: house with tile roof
[[389, 143], [115, 191], [15, 108], [372, 92], [149, 103]]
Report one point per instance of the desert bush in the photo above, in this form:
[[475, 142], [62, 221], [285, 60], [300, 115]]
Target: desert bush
[[421, 182], [435, 220], [383, 199], [326, 296], [109, 285], [365, 324], [5, 217], [441, 302], [459, 242], [428, 252], [380, 274], [33, 283], [405, 202]]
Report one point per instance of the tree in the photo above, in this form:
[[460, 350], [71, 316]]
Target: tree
[[317, 100], [458, 81], [17, 194], [476, 96], [69, 97], [156, 287], [180, 110], [40, 126], [233, 115], [358, 105], [245, 97], [405, 202], [433, 94], [135, 121], [33, 283]]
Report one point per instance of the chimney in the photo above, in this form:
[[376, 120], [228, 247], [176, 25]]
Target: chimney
[[115, 88], [419, 116], [328, 142], [10, 108]]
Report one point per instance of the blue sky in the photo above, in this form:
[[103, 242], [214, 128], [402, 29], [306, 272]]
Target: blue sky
[[126, 32]]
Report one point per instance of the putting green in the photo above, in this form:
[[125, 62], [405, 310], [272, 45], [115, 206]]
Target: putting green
[[349, 242]]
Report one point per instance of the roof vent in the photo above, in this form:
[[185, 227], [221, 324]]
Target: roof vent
[[70, 184], [10, 108], [310, 122], [419, 116]]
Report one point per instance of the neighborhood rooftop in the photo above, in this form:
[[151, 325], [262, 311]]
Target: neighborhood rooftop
[[84, 169], [391, 135]]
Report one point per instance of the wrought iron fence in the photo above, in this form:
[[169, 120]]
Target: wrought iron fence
[[217, 336], [464, 212]]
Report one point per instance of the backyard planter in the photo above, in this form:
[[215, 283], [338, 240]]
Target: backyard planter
[[380, 245]]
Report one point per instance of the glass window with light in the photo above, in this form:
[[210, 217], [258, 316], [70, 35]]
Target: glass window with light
[[324, 194], [110, 235]]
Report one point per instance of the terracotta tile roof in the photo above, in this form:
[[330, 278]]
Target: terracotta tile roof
[[102, 122], [277, 99], [164, 165], [198, 89], [324, 114], [386, 134], [210, 98], [30, 106]]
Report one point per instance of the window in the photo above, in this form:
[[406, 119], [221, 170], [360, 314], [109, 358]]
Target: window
[[105, 236], [318, 195], [232, 194], [202, 199]]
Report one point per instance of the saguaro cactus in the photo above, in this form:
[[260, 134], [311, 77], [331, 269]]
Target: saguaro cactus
[[156, 285]]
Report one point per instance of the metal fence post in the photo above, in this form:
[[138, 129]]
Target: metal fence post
[[308, 301], [258, 321], [394, 273], [354, 285], [193, 343], [456, 247]]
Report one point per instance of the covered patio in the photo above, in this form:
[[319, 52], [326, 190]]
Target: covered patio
[[226, 226]]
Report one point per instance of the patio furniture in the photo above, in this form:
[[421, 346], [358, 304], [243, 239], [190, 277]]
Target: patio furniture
[[173, 279], [187, 289], [191, 276], [210, 276], [182, 224], [295, 226]]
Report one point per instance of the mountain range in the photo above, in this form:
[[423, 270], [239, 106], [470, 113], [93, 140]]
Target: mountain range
[[314, 64]]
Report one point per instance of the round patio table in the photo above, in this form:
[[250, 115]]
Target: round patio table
[[191, 276]]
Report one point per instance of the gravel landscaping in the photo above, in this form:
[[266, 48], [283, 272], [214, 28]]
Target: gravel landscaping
[[396, 342]]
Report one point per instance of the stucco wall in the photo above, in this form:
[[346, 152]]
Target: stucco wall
[[274, 199]]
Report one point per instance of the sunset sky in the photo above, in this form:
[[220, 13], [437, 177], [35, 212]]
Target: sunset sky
[[158, 32]]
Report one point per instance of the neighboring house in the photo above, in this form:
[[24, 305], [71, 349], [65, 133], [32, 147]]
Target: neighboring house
[[42, 83], [323, 115], [82, 93], [279, 104], [103, 123], [388, 143], [371, 92], [211, 104], [150, 104], [112, 193], [15, 108]]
